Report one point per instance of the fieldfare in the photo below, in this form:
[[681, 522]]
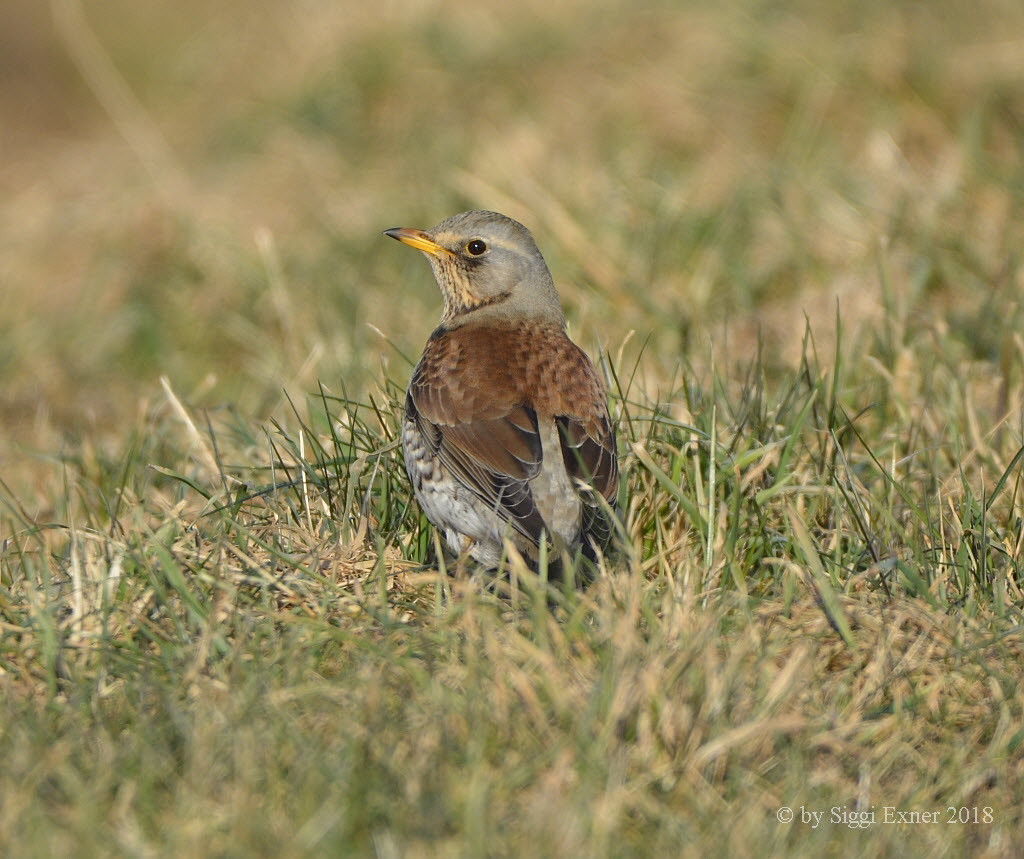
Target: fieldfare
[[506, 433]]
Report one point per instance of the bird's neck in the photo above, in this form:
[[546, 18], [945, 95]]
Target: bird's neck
[[502, 312]]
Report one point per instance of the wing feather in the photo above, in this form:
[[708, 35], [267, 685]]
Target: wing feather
[[477, 398]]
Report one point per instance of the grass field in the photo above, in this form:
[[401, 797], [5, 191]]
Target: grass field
[[791, 232]]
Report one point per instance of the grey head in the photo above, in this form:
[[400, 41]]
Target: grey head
[[486, 265]]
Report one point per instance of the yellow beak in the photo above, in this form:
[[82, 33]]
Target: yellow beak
[[417, 239]]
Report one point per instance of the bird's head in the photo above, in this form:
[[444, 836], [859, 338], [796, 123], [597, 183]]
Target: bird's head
[[486, 264]]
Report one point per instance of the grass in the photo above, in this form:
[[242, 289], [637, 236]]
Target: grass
[[791, 235]]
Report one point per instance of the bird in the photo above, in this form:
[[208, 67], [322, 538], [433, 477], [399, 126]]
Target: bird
[[506, 435]]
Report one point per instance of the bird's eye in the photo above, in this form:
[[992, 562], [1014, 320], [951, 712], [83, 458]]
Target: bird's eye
[[476, 247]]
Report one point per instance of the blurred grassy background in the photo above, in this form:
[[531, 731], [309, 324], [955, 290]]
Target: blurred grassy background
[[196, 191]]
